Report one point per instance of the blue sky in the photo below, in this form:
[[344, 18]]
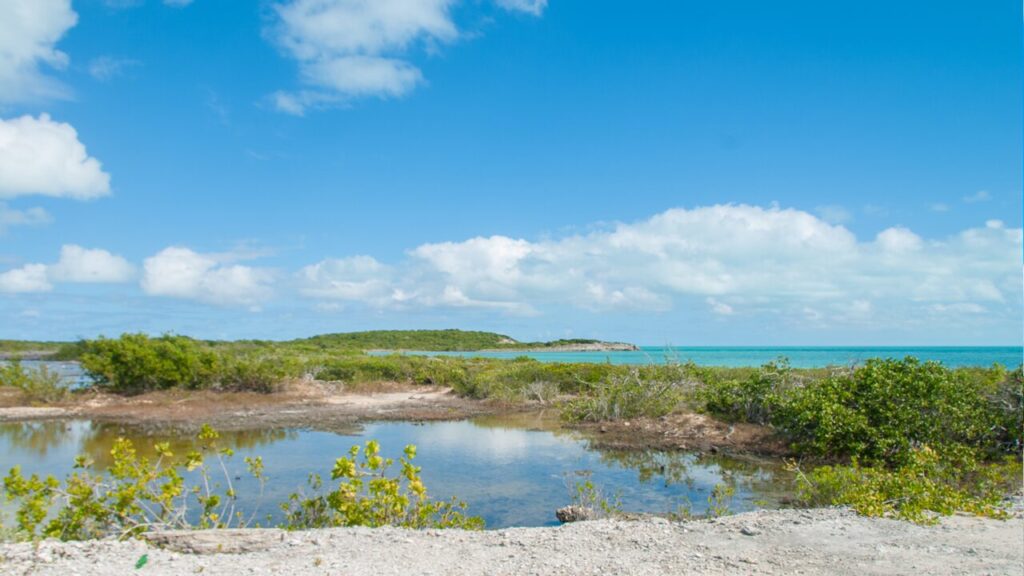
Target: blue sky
[[678, 173]]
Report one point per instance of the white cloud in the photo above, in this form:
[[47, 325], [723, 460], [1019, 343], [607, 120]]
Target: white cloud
[[181, 273], [28, 278], [84, 265], [359, 278], [354, 48], [979, 196], [105, 68], [76, 265], [349, 49], [898, 239], [40, 156], [178, 3], [10, 217], [535, 7], [939, 207], [29, 32], [771, 260]]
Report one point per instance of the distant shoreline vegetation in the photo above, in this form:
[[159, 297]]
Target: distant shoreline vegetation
[[371, 341]]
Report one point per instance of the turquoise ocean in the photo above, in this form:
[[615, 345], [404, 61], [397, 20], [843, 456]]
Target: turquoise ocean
[[799, 357]]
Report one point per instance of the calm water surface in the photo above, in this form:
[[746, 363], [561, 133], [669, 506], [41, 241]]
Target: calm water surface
[[509, 470]]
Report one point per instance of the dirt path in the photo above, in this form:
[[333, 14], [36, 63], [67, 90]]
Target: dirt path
[[827, 541]]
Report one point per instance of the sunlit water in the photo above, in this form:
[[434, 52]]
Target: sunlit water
[[799, 357], [509, 474]]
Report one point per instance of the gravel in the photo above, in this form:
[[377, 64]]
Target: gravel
[[821, 541]]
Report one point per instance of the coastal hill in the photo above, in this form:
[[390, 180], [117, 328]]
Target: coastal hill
[[452, 341]]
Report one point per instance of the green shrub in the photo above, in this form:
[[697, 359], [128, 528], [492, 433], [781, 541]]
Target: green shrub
[[255, 374], [37, 384], [751, 399], [624, 397], [132, 496], [136, 363], [925, 486], [883, 410], [1006, 408], [367, 496]]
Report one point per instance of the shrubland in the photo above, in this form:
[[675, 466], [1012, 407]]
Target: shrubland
[[899, 438], [37, 385]]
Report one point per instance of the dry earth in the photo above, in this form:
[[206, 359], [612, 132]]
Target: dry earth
[[824, 541]]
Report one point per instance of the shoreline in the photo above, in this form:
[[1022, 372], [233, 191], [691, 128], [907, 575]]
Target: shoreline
[[810, 541]]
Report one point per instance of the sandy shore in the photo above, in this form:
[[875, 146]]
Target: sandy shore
[[826, 541]]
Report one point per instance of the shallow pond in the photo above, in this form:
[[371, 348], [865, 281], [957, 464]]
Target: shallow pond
[[512, 471]]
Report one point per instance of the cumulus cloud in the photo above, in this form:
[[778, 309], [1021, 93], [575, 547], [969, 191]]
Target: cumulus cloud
[[359, 278], [28, 278], [182, 273], [29, 32], [349, 49], [40, 156], [777, 259], [84, 265], [354, 48], [76, 265]]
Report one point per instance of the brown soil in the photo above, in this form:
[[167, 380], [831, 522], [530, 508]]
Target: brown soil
[[686, 431]]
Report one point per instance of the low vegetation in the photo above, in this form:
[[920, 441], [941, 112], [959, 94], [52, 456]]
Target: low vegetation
[[37, 385], [624, 397], [197, 491], [28, 348], [906, 438], [136, 363]]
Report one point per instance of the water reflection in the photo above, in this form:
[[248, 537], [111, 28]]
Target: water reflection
[[753, 475], [37, 438], [513, 471], [95, 439]]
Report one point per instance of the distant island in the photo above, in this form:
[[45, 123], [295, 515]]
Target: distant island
[[453, 341], [373, 340]]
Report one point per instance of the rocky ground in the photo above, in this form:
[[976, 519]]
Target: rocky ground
[[825, 541]]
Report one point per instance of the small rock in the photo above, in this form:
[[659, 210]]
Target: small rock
[[749, 531], [574, 514]]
